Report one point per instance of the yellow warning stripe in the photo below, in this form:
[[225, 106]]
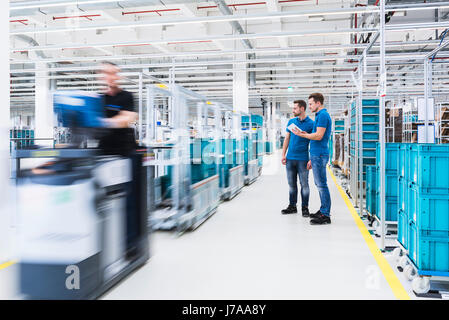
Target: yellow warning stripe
[[390, 276], [6, 264]]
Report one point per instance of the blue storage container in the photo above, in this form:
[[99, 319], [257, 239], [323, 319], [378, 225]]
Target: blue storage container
[[429, 254], [370, 118], [402, 159], [428, 167], [371, 189], [429, 212], [391, 208], [402, 194], [370, 136], [370, 102], [369, 153], [369, 144], [391, 185], [370, 127], [403, 228], [370, 110], [391, 157], [369, 161]]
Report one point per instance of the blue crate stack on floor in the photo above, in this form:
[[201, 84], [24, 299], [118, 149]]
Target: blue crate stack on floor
[[370, 133], [391, 181], [402, 195], [427, 208], [371, 190]]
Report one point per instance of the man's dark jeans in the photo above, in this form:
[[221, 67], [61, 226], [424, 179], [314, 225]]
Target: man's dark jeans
[[297, 168]]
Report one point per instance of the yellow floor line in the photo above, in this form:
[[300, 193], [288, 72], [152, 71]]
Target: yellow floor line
[[390, 276], [6, 264]]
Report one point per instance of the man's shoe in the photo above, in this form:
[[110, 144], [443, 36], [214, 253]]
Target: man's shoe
[[305, 212], [290, 210], [315, 215], [321, 219]]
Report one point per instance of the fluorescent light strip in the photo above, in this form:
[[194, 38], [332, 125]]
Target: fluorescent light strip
[[48, 4]]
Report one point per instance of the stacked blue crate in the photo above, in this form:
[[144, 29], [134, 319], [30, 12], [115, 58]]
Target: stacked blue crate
[[25, 138], [371, 190], [427, 208], [370, 133], [391, 180], [402, 195]]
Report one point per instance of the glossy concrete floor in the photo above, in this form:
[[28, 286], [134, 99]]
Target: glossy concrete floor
[[248, 250]]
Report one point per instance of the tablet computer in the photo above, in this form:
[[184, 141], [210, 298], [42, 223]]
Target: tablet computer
[[293, 126]]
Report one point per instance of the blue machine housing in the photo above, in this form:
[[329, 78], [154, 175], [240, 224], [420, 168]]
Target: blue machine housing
[[78, 109]]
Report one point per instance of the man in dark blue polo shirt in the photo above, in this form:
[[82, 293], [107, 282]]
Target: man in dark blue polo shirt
[[319, 155], [296, 159]]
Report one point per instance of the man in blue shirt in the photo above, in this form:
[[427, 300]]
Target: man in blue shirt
[[319, 155], [296, 159]]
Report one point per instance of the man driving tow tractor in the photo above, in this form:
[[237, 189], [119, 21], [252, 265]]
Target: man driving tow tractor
[[119, 137]]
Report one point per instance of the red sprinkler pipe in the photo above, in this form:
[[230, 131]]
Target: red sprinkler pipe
[[20, 21], [190, 42], [88, 16], [150, 11]]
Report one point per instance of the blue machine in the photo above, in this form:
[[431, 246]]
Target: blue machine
[[79, 109], [253, 146]]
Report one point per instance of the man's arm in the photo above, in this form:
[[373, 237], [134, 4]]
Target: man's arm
[[122, 120], [285, 147], [318, 135]]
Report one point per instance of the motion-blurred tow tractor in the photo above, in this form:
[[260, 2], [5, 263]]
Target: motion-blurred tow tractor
[[82, 215]]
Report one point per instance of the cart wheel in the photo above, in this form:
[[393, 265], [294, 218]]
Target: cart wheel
[[378, 230], [376, 223], [397, 253], [421, 285], [409, 273], [403, 262]]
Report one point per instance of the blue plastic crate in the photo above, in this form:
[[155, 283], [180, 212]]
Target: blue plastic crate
[[428, 212], [370, 102], [402, 159], [340, 123], [371, 189], [369, 144], [370, 118], [370, 110], [428, 167], [429, 254], [369, 153], [391, 208], [391, 185], [369, 161], [391, 157], [403, 228], [370, 136], [402, 193], [370, 127]]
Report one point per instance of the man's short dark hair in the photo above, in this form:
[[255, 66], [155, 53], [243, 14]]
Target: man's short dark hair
[[301, 103], [317, 97]]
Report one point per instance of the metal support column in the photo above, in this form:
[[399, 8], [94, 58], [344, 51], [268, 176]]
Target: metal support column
[[359, 151], [383, 89], [151, 119], [427, 94], [140, 121]]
